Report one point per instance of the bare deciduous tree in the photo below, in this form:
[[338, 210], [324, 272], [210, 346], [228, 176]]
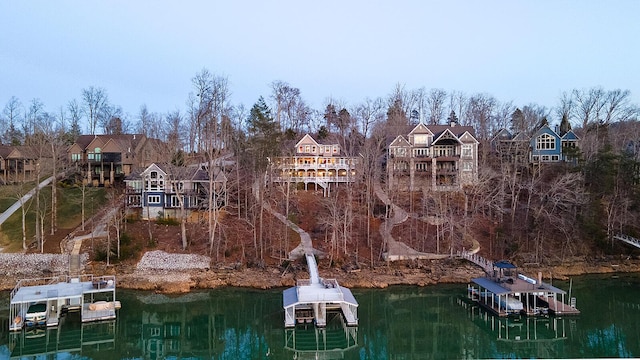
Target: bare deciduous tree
[[95, 100], [436, 102]]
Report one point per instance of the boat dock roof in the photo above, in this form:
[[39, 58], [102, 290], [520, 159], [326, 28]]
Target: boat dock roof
[[516, 286]]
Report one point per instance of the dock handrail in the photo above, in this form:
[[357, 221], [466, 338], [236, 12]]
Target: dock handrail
[[57, 279], [485, 264]]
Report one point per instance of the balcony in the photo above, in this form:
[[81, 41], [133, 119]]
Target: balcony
[[309, 179]]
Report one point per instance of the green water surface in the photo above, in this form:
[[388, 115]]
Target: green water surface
[[433, 322]]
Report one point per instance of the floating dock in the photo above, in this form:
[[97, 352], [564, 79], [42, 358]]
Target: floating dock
[[310, 300], [506, 292], [93, 296]]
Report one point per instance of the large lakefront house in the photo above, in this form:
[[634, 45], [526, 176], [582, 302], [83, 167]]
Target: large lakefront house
[[322, 165], [164, 190], [545, 145], [435, 157], [19, 163], [104, 159]]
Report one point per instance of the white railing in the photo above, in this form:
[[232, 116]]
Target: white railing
[[319, 179], [486, 265], [628, 239]]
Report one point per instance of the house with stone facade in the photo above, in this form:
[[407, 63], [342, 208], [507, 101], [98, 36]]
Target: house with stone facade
[[105, 159], [434, 157]]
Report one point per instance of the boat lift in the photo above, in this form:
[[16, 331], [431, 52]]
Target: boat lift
[[93, 297], [311, 298]]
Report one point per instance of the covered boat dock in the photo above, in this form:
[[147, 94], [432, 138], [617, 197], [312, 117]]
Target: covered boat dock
[[310, 300], [507, 292], [93, 297]]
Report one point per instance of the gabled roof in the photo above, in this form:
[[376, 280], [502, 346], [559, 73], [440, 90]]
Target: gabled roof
[[446, 134], [155, 167], [187, 173], [467, 136], [28, 152], [124, 140], [570, 136], [5, 150], [502, 134], [456, 130], [399, 141], [545, 129], [420, 129], [307, 139], [521, 136], [435, 130]]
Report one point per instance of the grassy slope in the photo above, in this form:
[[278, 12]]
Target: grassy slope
[[69, 212]]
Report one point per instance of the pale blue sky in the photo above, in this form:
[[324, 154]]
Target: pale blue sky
[[147, 52]]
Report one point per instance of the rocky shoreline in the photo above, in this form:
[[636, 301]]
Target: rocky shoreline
[[180, 273], [437, 272]]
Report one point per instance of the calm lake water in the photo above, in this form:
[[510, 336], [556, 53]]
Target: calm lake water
[[396, 323]]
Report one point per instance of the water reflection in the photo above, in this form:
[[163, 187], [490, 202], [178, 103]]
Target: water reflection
[[536, 337], [70, 337], [397, 323], [330, 342]]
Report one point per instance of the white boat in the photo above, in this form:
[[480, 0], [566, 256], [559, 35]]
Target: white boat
[[36, 315], [508, 302]]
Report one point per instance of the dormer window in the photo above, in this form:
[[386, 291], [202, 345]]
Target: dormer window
[[154, 175]]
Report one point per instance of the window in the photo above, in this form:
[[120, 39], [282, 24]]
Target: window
[[313, 149], [400, 166], [95, 155], [307, 148], [327, 149], [76, 157], [134, 200], [545, 142], [335, 149], [545, 157], [153, 199], [422, 152], [175, 201], [555, 157], [467, 151], [467, 166], [421, 167], [443, 150], [154, 332], [420, 139]]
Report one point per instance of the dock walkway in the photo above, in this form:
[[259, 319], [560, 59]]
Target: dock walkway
[[311, 298]]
